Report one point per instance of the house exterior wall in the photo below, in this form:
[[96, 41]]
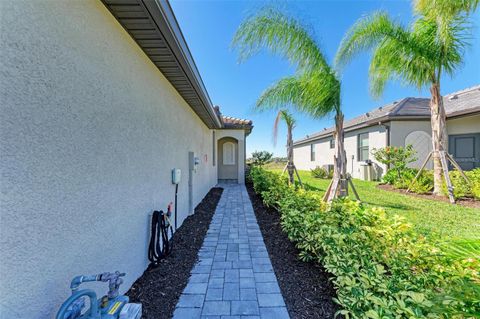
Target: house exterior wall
[[324, 154], [464, 125], [239, 135], [399, 136], [400, 130], [418, 134], [89, 133]]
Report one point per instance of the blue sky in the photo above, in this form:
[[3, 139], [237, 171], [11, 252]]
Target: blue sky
[[209, 26]]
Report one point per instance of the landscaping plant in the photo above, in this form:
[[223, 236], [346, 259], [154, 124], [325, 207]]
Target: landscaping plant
[[463, 189], [395, 158], [432, 46], [382, 268], [261, 157], [320, 172]]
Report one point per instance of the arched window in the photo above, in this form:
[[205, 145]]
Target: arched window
[[228, 153], [422, 143]]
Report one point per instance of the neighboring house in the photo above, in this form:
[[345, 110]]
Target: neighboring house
[[399, 124], [99, 102]]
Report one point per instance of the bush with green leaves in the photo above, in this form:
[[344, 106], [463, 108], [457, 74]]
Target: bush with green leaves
[[395, 157], [474, 176], [422, 185], [261, 157], [462, 188], [381, 267], [319, 172]]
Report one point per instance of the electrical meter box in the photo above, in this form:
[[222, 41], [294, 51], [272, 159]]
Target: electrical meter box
[[193, 161], [176, 175]]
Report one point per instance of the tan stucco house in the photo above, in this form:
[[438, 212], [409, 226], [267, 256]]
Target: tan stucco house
[[398, 124], [100, 100]]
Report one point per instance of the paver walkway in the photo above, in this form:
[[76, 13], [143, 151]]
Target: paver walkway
[[234, 278]]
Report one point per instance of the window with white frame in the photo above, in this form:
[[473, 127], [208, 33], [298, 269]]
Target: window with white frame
[[362, 147], [228, 153], [312, 152]]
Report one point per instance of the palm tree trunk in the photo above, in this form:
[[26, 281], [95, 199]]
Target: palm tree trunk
[[290, 166], [439, 135], [340, 160]]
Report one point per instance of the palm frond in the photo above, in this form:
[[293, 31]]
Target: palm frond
[[435, 8], [444, 40], [281, 34], [287, 117], [316, 94], [390, 61], [367, 33], [275, 128], [411, 56]]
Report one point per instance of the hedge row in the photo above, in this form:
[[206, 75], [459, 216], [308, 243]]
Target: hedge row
[[381, 268]]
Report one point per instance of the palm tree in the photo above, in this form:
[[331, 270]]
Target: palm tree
[[287, 117], [418, 55], [313, 90]]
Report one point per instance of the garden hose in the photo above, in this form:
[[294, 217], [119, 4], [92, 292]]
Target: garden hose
[[160, 246]]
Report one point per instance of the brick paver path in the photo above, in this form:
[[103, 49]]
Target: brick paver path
[[234, 278]]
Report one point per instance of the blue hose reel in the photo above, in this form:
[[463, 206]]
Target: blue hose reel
[[111, 306]]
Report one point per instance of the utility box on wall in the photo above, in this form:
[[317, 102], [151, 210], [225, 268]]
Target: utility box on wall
[[176, 175]]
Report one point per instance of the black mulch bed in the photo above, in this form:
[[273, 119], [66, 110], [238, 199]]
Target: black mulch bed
[[159, 289], [305, 287]]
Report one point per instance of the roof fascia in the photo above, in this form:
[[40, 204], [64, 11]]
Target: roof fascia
[[176, 41]]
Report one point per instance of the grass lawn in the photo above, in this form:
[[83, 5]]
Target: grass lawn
[[451, 222]]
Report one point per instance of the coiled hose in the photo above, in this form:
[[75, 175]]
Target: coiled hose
[[159, 246]]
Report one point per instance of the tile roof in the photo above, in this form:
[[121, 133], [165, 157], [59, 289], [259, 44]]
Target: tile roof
[[229, 122], [458, 103]]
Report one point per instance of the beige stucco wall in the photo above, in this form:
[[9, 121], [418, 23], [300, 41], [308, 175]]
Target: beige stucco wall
[[239, 135], [324, 155], [400, 130], [89, 133], [464, 125]]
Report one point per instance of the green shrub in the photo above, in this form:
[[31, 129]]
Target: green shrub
[[390, 177], [474, 177], [381, 267], [406, 177], [261, 157], [396, 157], [404, 180], [319, 172], [460, 187], [423, 184]]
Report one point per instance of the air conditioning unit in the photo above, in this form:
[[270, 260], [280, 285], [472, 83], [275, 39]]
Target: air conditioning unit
[[366, 171]]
